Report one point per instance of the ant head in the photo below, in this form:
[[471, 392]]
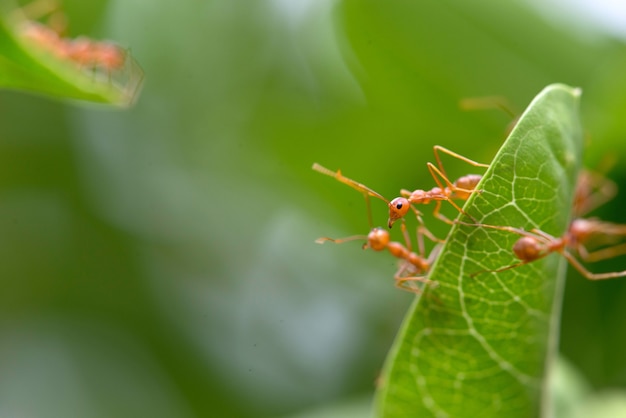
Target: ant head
[[377, 239], [529, 249], [398, 207]]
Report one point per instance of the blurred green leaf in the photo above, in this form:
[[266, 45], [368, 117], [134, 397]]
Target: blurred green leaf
[[478, 346], [27, 66], [569, 389]]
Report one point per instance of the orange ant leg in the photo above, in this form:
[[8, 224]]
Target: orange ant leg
[[532, 246], [322, 240], [434, 172], [487, 102], [378, 240], [586, 273], [407, 239], [601, 234], [437, 148], [407, 282], [470, 180], [592, 191], [367, 192], [421, 232], [438, 215], [345, 180], [450, 188], [536, 244], [603, 254], [38, 9], [491, 102]]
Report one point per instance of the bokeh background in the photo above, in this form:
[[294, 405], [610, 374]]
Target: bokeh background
[[161, 262]]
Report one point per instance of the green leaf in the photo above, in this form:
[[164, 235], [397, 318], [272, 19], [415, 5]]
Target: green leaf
[[26, 66], [480, 346]]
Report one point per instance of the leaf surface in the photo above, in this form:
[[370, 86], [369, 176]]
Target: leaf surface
[[480, 346]]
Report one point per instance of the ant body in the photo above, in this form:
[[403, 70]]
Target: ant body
[[105, 60], [399, 207], [592, 190], [412, 264], [83, 51]]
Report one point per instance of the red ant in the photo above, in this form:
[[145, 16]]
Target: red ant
[[412, 264], [536, 244], [398, 207], [591, 191]]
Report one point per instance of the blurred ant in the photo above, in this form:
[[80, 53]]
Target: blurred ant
[[413, 266], [101, 57], [398, 207], [592, 190], [492, 102], [536, 244]]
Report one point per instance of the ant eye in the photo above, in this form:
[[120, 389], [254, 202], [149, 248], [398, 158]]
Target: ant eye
[[399, 206]]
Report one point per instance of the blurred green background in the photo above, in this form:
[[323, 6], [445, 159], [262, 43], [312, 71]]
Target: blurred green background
[[161, 261]]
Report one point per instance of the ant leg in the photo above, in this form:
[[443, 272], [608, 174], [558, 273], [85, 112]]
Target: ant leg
[[437, 148], [440, 216], [603, 254], [367, 192], [406, 194], [426, 232], [538, 232], [589, 275], [434, 172], [533, 233], [345, 180], [437, 214], [512, 266], [592, 191], [443, 218], [408, 283], [407, 239], [322, 240], [422, 232], [39, 8], [487, 102]]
